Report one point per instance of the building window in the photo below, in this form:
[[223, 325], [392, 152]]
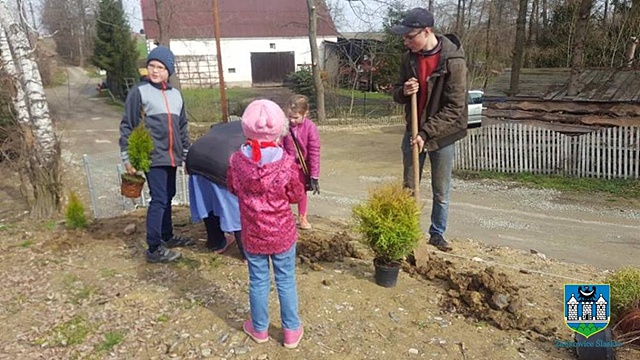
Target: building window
[[272, 45], [231, 70]]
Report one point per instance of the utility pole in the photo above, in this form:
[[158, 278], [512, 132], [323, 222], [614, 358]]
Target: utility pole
[[223, 93]]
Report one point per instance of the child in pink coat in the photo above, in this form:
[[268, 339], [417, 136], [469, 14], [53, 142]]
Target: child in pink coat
[[266, 181], [305, 133]]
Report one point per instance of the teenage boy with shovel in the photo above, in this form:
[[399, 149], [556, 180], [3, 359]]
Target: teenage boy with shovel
[[434, 74]]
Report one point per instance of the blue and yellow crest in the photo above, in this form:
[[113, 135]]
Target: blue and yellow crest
[[587, 307]]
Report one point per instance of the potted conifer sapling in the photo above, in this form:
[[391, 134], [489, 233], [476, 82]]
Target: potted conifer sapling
[[389, 222], [139, 150]]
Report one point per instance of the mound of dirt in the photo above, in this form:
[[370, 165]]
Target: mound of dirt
[[485, 295], [314, 247]]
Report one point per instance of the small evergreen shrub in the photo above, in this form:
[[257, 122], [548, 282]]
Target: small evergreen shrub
[[75, 216], [625, 291], [389, 221], [140, 148]]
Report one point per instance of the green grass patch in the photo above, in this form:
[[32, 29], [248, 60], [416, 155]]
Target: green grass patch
[[141, 47], [358, 94], [6, 227], [617, 187], [111, 339], [108, 273], [203, 105], [188, 263], [26, 243], [60, 77], [72, 332], [93, 72], [78, 290], [162, 318], [49, 225]]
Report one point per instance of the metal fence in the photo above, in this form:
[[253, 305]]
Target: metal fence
[[103, 179]]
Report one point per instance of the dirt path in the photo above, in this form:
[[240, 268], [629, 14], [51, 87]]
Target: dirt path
[[87, 123], [590, 230]]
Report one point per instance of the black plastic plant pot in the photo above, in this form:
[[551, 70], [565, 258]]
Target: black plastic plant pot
[[603, 352], [386, 274]]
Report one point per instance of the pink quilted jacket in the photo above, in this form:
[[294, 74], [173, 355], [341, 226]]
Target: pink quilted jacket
[[307, 135], [265, 193]]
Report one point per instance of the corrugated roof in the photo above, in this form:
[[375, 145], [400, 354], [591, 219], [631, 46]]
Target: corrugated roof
[[550, 84], [193, 19]]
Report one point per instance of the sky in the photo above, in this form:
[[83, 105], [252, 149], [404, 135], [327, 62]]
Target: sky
[[356, 15]]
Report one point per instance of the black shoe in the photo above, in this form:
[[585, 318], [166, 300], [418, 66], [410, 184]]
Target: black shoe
[[178, 241], [162, 255], [439, 242]]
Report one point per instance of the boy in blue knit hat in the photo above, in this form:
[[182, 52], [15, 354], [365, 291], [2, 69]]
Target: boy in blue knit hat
[[161, 108]]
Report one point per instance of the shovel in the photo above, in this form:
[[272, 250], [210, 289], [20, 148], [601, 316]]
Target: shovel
[[415, 150]]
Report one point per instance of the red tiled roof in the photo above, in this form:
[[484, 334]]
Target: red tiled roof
[[238, 18]]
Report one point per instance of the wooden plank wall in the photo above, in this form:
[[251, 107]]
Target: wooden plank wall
[[607, 153]]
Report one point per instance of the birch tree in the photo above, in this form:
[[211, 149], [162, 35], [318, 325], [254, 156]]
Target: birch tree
[[39, 138]]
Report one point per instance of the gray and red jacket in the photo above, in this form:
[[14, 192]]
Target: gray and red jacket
[[161, 108]]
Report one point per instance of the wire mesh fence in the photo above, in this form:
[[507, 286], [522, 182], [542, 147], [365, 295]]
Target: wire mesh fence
[[103, 179]]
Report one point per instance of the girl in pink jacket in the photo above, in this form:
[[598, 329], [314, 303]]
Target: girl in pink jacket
[[266, 181], [303, 136]]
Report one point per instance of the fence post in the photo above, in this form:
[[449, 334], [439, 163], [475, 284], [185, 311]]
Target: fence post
[[364, 105], [85, 160]]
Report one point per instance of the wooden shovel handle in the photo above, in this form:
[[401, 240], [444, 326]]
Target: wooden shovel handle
[[415, 150]]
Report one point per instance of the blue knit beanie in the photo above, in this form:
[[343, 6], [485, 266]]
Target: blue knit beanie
[[165, 56]]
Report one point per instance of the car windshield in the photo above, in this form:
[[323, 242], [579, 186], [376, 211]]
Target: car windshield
[[474, 98]]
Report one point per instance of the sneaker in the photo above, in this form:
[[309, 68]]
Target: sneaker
[[162, 255], [178, 241], [303, 224], [439, 242], [258, 336], [292, 337]]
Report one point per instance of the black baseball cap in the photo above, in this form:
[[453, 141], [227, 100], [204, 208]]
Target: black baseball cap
[[418, 18]]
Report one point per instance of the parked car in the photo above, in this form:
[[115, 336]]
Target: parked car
[[474, 101]]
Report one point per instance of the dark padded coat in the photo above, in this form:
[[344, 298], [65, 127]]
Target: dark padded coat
[[209, 155]]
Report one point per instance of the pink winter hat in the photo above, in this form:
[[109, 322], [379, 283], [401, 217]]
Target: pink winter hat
[[263, 120]]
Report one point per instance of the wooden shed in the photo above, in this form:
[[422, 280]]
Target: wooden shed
[[606, 97]]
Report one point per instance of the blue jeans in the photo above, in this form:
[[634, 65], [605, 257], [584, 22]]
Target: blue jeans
[[284, 268], [441, 167], [162, 188]]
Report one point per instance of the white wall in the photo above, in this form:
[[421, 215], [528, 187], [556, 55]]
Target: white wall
[[236, 53]]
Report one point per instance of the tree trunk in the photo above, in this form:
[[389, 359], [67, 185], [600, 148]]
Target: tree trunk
[[9, 66], [487, 49], [518, 50], [532, 22], [584, 13], [40, 139], [317, 78]]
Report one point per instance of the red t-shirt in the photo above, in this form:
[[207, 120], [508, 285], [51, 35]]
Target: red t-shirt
[[426, 66]]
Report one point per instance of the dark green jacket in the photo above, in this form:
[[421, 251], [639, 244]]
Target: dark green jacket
[[444, 120]]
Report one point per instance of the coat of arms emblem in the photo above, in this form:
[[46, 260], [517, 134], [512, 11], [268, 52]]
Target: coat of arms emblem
[[587, 308]]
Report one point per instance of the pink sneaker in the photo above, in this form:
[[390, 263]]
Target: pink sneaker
[[292, 337], [257, 336]]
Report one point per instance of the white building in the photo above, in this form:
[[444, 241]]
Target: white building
[[261, 41]]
